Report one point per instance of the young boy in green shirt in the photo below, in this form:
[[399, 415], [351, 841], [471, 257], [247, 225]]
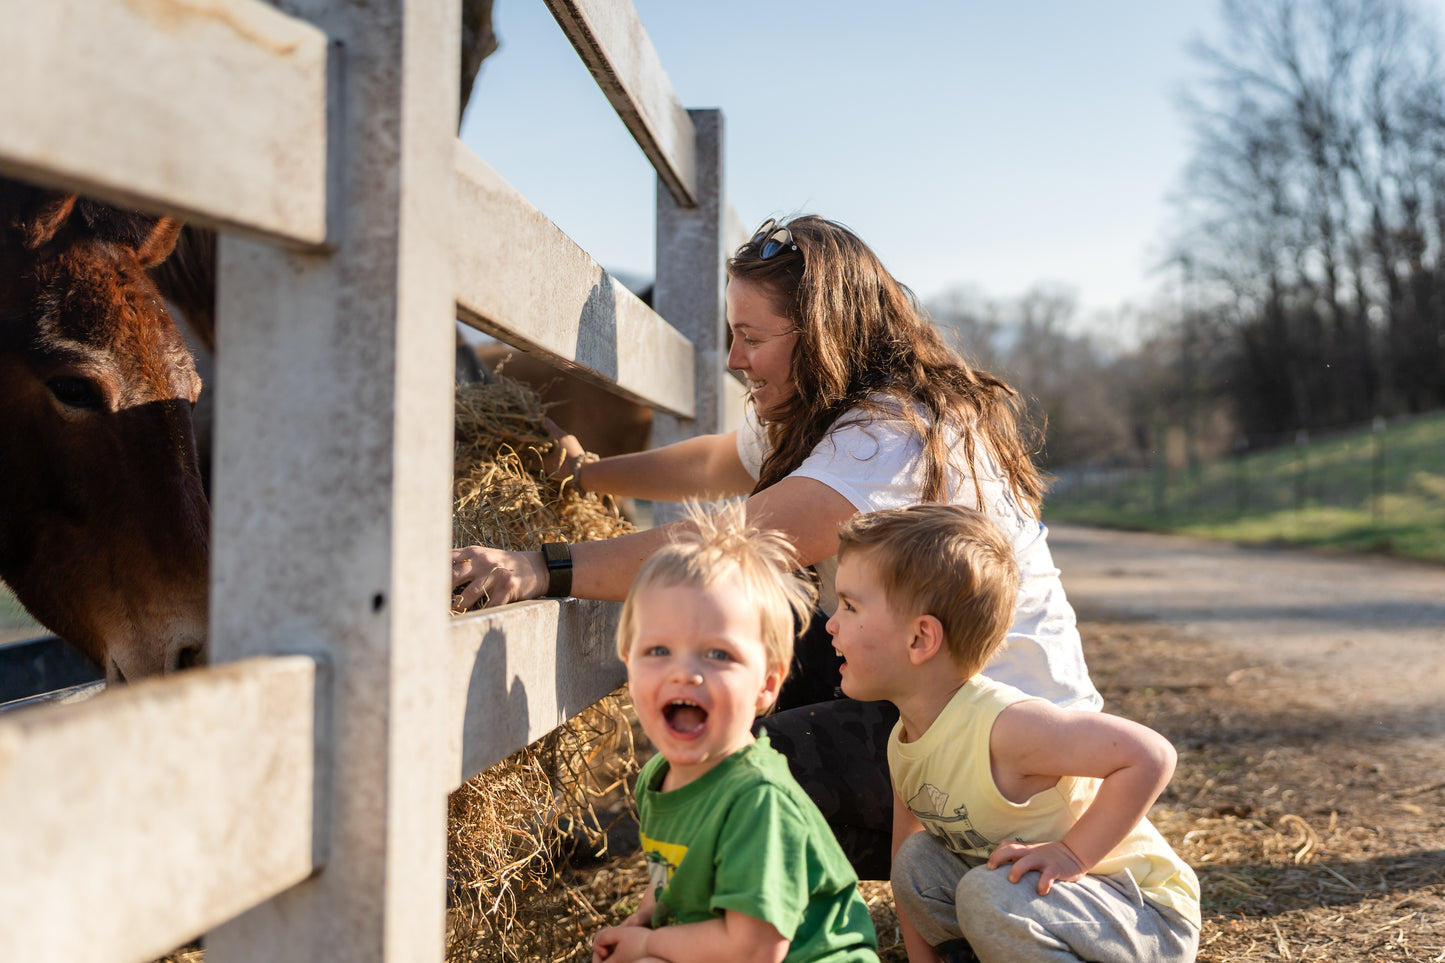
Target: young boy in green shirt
[[741, 864], [1036, 844]]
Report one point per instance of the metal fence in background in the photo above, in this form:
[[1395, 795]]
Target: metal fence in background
[[1377, 468]]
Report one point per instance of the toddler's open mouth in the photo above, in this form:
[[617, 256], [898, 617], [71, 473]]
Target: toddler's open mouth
[[684, 716]]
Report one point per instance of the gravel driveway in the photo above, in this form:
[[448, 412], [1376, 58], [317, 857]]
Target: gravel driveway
[[1369, 633]]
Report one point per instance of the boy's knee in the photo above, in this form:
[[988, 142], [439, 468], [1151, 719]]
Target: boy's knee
[[923, 870], [910, 863], [906, 873], [994, 914], [984, 893], [980, 882]]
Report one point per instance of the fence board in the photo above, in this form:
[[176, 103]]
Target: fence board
[[613, 44], [692, 248], [520, 671], [215, 110], [198, 787], [520, 279]]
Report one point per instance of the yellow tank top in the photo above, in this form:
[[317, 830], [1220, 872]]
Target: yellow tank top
[[945, 779]]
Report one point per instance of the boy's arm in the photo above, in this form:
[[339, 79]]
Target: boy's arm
[[1037, 740], [736, 938], [905, 824]]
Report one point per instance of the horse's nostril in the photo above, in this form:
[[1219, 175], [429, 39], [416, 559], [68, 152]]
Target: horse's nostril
[[189, 656]]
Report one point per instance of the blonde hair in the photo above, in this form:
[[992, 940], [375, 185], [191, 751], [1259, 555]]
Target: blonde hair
[[947, 561], [715, 545]]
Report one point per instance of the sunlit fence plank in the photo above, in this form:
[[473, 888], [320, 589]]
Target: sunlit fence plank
[[215, 111], [140, 818], [520, 671], [611, 41], [522, 280]]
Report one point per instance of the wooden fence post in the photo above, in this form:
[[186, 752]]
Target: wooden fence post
[[689, 292], [332, 486]]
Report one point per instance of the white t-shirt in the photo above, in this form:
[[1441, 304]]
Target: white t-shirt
[[880, 464]]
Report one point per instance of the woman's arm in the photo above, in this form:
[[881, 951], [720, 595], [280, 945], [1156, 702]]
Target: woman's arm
[[706, 467], [1035, 743], [806, 511]]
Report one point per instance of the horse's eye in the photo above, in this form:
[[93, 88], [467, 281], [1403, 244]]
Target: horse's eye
[[76, 393]]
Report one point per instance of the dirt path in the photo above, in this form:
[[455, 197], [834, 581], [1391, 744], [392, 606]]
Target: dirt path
[[1375, 626]]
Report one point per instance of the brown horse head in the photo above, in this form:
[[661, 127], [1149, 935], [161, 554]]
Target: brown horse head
[[104, 526]]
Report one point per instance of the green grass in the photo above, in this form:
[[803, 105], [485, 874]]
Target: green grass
[[13, 616], [1362, 491]]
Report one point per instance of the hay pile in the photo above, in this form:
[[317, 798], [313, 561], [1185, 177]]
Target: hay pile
[[510, 826], [501, 497]]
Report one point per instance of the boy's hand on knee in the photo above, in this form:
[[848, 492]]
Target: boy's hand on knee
[[1053, 861], [620, 944]]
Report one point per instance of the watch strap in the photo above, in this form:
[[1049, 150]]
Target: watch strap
[[559, 569]]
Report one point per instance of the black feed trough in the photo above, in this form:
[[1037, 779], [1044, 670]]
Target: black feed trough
[[44, 669]]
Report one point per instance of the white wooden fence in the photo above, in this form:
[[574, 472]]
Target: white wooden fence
[[289, 800]]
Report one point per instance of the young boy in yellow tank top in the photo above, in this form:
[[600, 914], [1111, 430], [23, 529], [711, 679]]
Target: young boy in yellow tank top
[[1035, 843]]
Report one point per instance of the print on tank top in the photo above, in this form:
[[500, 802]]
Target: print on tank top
[[930, 805]]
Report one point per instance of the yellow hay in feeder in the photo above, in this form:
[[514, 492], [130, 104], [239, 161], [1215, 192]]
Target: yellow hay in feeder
[[501, 497], [509, 824]]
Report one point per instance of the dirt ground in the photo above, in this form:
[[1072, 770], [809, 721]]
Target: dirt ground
[[1303, 693]]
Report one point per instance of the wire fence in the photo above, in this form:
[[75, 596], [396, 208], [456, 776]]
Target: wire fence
[[1377, 468]]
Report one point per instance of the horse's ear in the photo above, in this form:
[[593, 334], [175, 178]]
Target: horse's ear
[[151, 237], [157, 245], [34, 215], [48, 219]]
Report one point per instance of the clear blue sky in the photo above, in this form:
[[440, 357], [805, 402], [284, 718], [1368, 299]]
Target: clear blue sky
[[969, 142]]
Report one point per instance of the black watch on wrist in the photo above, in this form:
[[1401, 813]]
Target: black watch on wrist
[[559, 569]]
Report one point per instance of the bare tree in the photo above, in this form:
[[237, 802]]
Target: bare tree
[[1313, 207], [1066, 377]]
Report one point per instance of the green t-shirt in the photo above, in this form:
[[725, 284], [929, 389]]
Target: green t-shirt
[[746, 837]]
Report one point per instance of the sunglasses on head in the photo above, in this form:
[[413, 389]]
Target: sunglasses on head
[[771, 238]]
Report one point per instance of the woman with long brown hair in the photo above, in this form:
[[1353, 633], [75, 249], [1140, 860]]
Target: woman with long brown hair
[[856, 404]]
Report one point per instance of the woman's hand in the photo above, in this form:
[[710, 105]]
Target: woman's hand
[[562, 459], [496, 577]]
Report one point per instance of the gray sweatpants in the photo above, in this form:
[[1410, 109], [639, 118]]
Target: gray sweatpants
[[1098, 918]]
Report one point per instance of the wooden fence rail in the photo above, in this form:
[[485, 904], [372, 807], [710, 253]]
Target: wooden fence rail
[[149, 813], [214, 111], [289, 800]]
